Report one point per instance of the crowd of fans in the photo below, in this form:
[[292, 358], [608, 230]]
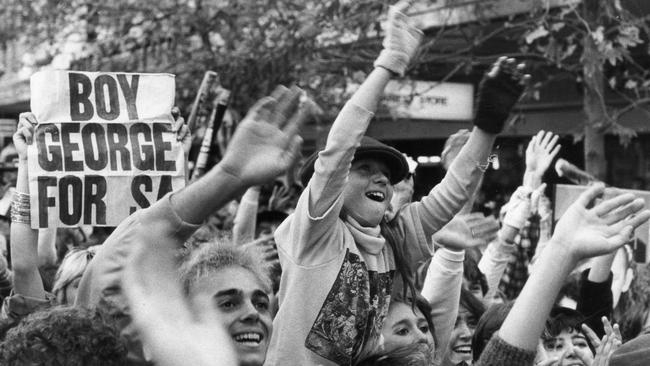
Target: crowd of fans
[[342, 268]]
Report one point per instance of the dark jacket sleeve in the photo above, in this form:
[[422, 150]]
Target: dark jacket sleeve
[[595, 301]]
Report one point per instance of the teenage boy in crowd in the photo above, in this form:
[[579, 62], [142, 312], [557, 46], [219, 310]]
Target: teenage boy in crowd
[[264, 145]]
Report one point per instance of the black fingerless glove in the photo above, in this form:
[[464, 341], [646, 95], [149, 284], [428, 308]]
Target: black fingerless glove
[[496, 97]]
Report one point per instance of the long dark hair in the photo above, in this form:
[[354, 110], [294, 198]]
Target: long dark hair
[[409, 276], [634, 306]]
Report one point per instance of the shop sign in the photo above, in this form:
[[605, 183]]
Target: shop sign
[[429, 100], [440, 13]]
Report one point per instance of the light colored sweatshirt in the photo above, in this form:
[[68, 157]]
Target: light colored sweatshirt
[[441, 288], [337, 278]]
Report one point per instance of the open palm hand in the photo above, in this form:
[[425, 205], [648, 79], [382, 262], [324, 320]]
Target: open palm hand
[[541, 151], [266, 142], [588, 232]]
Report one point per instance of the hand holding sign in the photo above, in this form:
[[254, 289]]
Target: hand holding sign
[[266, 142], [24, 133]]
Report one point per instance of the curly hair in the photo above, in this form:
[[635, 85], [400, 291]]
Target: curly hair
[[562, 319], [217, 254], [63, 336]]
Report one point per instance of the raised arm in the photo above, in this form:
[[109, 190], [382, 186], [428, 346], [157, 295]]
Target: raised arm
[[500, 89], [595, 299], [273, 145], [540, 153], [500, 253], [333, 164], [581, 233], [245, 221], [257, 146], [24, 239], [174, 333], [442, 287], [47, 247]]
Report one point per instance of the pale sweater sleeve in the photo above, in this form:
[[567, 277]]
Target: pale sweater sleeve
[[332, 167], [446, 199], [442, 289], [308, 236], [245, 221], [104, 273], [494, 262]]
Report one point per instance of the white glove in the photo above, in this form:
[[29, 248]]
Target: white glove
[[518, 208], [400, 42]]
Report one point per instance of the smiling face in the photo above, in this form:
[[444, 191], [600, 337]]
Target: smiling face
[[460, 343], [242, 303], [573, 343], [368, 191], [405, 326]]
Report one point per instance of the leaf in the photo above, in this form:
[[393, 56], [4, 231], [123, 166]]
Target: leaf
[[570, 49], [612, 82], [557, 26], [610, 53], [628, 36], [631, 84], [539, 32], [598, 35]]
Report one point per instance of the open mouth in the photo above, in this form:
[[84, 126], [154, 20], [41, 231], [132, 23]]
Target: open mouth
[[463, 348], [576, 363], [250, 339], [376, 196]]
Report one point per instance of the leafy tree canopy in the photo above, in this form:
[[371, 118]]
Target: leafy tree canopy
[[253, 45]]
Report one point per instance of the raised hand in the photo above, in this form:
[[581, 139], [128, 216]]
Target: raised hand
[[281, 196], [612, 335], [266, 141], [401, 41], [541, 151], [587, 232], [174, 332], [498, 92], [24, 134], [467, 231], [608, 345], [265, 244]]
